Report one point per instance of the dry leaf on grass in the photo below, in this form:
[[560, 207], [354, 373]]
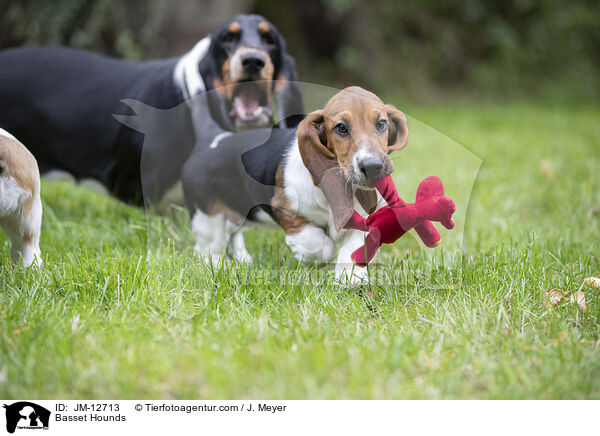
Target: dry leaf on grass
[[593, 282], [547, 168], [579, 298], [593, 212], [556, 295]]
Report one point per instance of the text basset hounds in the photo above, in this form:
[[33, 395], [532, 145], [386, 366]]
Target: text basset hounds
[[60, 102], [307, 180]]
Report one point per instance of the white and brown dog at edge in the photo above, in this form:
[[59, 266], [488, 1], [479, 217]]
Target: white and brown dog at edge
[[306, 180], [20, 204]]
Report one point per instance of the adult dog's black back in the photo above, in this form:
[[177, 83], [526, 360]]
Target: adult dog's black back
[[60, 102]]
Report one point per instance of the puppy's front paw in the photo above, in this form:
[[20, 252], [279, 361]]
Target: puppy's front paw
[[352, 276], [310, 245]]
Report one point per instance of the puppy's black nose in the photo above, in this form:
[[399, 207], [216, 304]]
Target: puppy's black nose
[[253, 63], [371, 167]]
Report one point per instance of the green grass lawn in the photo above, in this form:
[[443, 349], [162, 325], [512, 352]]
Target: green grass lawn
[[106, 318]]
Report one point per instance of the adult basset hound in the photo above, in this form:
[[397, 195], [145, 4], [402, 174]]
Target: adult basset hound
[[60, 101], [306, 180], [20, 204]]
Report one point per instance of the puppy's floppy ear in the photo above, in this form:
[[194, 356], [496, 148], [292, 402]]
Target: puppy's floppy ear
[[397, 129], [323, 166], [367, 199], [287, 92]]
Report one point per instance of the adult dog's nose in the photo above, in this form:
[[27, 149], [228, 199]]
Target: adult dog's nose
[[253, 63], [371, 167]]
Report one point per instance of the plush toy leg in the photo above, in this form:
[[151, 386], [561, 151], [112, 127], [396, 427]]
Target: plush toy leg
[[363, 255], [359, 256], [432, 202], [428, 234], [357, 222], [430, 187], [449, 207]]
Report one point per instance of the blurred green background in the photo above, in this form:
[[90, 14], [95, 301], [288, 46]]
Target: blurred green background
[[421, 50]]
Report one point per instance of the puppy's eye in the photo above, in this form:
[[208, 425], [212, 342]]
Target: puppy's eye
[[230, 37], [341, 129], [381, 125], [268, 38]]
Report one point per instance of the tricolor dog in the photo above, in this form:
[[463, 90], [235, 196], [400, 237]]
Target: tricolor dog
[[20, 204], [306, 180], [60, 102]]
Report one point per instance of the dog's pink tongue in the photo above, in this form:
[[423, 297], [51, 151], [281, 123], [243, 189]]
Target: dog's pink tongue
[[246, 103]]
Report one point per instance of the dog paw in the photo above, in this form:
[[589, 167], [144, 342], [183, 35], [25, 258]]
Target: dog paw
[[243, 257], [210, 259], [352, 276], [311, 245]]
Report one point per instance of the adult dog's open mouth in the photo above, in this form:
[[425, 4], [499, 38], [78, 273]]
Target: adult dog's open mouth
[[250, 105]]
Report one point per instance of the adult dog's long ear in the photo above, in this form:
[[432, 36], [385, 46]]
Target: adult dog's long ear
[[208, 70], [290, 109], [397, 129], [323, 166]]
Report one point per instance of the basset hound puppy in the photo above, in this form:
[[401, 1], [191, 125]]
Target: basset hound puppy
[[20, 204], [61, 101], [306, 180]]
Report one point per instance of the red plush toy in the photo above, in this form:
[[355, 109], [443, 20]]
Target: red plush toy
[[389, 223]]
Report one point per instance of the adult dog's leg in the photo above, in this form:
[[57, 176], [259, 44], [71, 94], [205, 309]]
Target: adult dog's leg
[[211, 236], [237, 246]]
